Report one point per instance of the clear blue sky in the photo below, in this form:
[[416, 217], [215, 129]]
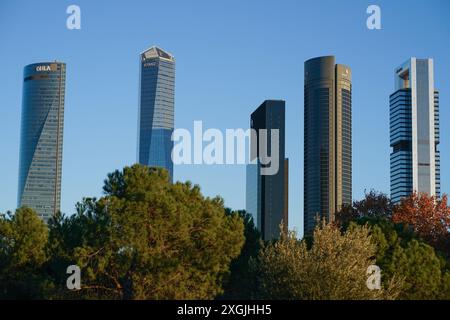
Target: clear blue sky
[[231, 55]]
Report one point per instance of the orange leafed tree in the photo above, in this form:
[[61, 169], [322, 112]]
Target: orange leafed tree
[[427, 215]]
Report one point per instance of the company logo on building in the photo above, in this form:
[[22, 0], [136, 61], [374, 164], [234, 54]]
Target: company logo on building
[[43, 68]]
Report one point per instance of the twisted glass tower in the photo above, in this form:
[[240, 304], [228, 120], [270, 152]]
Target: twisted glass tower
[[328, 139], [414, 128], [41, 141], [156, 109]]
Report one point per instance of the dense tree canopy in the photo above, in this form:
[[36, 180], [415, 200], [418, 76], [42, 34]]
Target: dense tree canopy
[[335, 267], [150, 239], [146, 238], [402, 254], [23, 241]]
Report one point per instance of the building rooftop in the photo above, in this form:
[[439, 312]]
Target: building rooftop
[[156, 52]]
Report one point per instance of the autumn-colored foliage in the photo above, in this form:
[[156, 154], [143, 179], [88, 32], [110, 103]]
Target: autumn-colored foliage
[[374, 205], [428, 216]]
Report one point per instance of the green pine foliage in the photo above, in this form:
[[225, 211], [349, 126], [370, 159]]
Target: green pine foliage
[[146, 238]]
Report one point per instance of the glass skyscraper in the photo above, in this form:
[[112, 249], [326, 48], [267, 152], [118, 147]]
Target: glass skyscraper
[[414, 129], [41, 143], [267, 195], [156, 109], [327, 139], [253, 192]]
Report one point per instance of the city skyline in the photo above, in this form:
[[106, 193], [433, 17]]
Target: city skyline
[[328, 89], [219, 87]]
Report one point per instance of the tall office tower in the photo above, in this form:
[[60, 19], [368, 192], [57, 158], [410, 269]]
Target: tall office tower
[[414, 109], [327, 140], [156, 109], [41, 141], [267, 192]]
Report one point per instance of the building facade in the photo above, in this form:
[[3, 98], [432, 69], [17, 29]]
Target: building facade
[[41, 141], [156, 109], [267, 194], [414, 131], [327, 139]]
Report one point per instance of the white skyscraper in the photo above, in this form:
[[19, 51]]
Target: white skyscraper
[[414, 118]]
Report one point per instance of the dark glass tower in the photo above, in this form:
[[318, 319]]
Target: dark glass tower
[[156, 109], [414, 120], [267, 195], [41, 143], [327, 139]]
